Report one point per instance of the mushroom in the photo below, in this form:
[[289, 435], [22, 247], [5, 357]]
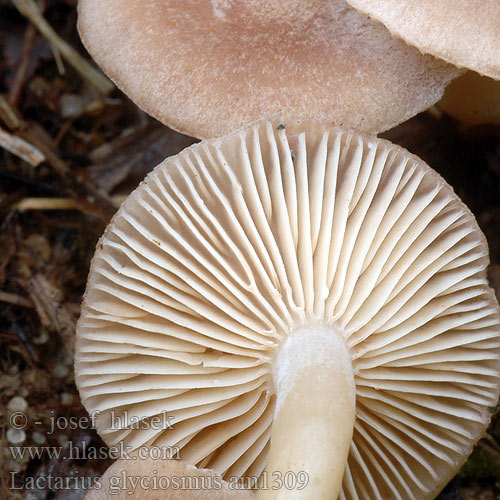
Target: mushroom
[[462, 32], [298, 299], [149, 479], [472, 99], [206, 67]]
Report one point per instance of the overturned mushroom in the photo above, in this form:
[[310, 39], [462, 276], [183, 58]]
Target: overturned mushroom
[[207, 67], [149, 479], [298, 299]]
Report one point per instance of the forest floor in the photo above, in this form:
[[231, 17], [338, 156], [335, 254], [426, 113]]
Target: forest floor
[[77, 154]]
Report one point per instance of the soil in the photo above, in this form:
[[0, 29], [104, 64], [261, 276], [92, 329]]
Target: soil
[[95, 150]]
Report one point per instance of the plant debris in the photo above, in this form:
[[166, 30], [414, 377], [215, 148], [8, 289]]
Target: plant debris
[[72, 148]]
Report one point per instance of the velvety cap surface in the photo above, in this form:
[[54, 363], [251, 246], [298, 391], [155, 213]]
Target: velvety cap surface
[[207, 67], [465, 33]]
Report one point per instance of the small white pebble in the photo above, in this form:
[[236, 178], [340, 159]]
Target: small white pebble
[[71, 105], [17, 403], [42, 338], [60, 371], [66, 399], [63, 440], [16, 436], [38, 438]]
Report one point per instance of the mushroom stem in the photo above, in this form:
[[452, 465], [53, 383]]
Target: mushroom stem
[[314, 419]]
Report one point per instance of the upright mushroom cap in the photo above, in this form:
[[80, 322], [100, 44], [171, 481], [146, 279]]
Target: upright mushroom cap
[[472, 99], [465, 33], [207, 67], [244, 258]]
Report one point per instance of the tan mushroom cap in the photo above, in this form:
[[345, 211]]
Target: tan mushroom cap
[[207, 67], [465, 33], [472, 99], [244, 258]]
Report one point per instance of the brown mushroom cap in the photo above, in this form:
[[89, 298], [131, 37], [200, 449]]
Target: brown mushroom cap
[[472, 99], [465, 33], [236, 246], [207, 67]]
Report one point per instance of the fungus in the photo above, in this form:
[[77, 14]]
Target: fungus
[[472, 99], [206, 67], [326, 313], [462, 32], [149, 479]]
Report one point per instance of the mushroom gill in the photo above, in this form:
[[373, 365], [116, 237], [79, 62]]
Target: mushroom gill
[[295, 246]]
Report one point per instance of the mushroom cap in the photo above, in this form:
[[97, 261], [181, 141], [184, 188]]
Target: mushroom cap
[[462, 32], [229, 247], [472, 99], [206, 67]]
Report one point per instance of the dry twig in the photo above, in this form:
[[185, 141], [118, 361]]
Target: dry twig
[[87, 198], [15, 299], [16, 87], [30, 10], [21, 148], [39, 203], [8, 115], [53, 314]]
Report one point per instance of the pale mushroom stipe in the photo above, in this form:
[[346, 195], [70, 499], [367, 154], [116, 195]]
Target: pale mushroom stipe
[[301, 298], [206, 67], [154, 479]]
